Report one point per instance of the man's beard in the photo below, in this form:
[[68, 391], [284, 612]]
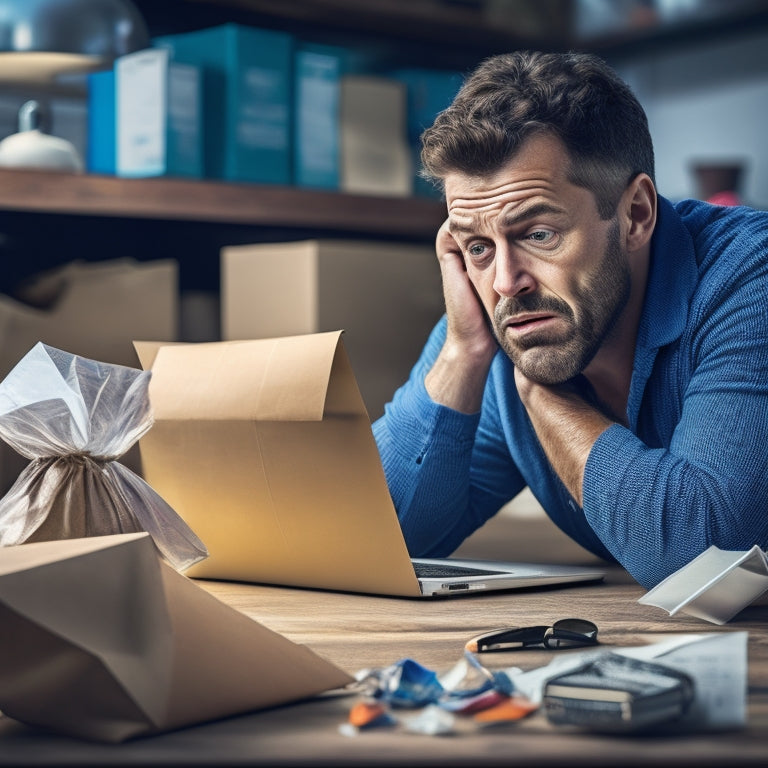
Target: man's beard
[[555, 360]]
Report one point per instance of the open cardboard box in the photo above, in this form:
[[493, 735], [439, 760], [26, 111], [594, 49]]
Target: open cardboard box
[[265, 449]]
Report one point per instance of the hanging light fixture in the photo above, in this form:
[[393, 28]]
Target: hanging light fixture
[[43, 40]]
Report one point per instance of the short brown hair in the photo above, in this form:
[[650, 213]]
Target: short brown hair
[[576, 97]]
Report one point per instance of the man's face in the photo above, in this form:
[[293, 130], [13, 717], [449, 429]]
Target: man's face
[[552, 276]]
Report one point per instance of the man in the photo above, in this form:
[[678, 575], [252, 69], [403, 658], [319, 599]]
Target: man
[[600, 345]]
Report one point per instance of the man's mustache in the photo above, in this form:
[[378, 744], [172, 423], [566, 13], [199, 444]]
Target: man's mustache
[[530, 302]]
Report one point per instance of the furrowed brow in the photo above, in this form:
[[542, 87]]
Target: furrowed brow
[[512, 219], [538, 209], [455, 228]]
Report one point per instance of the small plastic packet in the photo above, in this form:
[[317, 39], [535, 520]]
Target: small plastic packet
[[406, 684], [74, 418], [411, 697]]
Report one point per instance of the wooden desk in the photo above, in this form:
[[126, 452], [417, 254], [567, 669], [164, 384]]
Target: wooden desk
[[356, 632]]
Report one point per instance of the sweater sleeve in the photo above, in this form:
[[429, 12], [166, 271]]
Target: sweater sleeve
[[656, 508], [431, 459]]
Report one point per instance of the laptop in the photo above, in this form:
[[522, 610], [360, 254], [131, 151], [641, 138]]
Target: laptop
[[456, 576], [264, 448]]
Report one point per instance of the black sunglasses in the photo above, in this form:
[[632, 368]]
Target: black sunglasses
[[566, 633]]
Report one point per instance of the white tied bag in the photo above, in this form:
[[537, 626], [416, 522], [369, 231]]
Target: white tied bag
[[73, 418]]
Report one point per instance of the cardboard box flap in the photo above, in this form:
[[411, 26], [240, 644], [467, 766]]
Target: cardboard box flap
[[280, 492], [281, 379], [16, 559]]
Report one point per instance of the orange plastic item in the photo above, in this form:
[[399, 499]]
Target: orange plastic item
[[512, 708], [365, 712]]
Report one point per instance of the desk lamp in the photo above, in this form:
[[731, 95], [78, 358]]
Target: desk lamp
[[42, 41]]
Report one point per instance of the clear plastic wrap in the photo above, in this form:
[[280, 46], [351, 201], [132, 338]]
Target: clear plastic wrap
[[74, 418]]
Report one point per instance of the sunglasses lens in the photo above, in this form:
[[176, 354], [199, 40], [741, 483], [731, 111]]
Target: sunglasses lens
[[571, 633]]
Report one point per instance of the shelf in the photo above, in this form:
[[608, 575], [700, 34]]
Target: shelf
[[218, 202], [456, 34], [443, 33], [737, 20]]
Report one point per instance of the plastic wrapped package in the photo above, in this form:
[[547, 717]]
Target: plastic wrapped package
[[73, 418]]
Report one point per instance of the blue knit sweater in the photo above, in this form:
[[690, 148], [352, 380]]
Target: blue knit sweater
[[691, 470]]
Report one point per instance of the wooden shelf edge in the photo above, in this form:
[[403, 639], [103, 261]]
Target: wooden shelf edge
[[218, 202]]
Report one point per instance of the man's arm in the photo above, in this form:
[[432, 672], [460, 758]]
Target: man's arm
[[427, 436], [567, 428], [428, 453]]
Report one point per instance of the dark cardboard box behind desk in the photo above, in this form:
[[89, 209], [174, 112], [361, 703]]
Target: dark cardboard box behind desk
[[92, 309]]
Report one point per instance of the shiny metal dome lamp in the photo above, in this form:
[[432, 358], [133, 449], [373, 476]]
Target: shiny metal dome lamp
[[43, 40]]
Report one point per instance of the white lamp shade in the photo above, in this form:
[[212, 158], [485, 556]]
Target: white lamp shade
[[34, 149]]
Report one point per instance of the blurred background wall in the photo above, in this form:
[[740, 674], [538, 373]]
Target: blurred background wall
[[707, 102]]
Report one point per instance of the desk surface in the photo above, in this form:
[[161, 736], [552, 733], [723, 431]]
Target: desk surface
[[357, 632]]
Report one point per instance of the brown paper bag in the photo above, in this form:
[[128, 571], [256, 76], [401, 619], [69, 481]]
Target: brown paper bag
[[103, 640]]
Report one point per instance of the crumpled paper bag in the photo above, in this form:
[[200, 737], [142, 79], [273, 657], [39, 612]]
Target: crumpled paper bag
[[103, 640], [73, 418]]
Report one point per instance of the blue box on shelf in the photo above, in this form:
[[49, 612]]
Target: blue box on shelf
[[248, 78], [100, 156], [317, 93], [429, 91]]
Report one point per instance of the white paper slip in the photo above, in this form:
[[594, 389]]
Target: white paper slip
[[717, 663], [714, 586]]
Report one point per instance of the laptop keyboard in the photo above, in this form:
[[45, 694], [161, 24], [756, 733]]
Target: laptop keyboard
[[446, 570]]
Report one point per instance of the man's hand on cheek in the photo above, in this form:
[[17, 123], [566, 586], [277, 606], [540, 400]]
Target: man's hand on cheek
[[468, 323]]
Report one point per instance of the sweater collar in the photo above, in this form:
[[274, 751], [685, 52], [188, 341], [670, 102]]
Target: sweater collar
[[672, 277]]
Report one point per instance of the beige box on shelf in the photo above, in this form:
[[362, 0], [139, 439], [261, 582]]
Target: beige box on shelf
[[375, 156], [91, 309], [385, 296]]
